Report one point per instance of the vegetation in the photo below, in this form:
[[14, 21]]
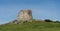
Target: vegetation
[[48, 20], [33, 26], [57, 21]]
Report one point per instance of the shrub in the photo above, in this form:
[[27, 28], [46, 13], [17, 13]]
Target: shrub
[[57, 21], [48, 20]]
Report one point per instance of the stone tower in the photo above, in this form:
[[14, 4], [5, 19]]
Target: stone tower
[[24, 15]]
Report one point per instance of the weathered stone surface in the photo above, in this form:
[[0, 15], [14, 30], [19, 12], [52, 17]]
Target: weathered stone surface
[[24, 15]]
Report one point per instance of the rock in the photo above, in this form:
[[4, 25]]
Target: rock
[[24, 15]]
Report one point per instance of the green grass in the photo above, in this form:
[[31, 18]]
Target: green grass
[[33, 26]]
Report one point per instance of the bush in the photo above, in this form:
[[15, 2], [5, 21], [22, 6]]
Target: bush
[[48, 20], [57, 21]]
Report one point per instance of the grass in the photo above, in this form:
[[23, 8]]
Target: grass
[[33, 26]]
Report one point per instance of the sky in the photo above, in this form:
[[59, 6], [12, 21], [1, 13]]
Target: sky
[[41, 9]]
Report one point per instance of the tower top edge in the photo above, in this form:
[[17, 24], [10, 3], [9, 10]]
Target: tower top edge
[[25, 10]]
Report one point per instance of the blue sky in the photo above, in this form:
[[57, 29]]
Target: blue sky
[[41, 9]]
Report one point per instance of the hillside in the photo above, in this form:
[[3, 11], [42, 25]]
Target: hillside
[[33, 26]]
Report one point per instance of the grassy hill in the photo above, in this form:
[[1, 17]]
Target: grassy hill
[[33, 26]]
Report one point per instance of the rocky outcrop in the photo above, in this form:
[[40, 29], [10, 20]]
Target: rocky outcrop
[[24, 15]]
